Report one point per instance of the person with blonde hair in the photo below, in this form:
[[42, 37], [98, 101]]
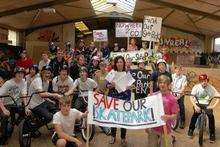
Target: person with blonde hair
[[156, 135], [64, 122]]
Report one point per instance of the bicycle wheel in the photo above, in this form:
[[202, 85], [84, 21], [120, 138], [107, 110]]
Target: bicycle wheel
[[175, 124], [24, 135], [91, 130], [201, 128]]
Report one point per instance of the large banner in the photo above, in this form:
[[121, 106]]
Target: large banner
[[112, 112], [100, 35], [151, 28], [142, 81], [133, 55], [128, 29]]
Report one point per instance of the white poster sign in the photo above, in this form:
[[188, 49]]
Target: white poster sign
[[133, 55], [151, 28], [100, 35], [112, 112], [128, 29]]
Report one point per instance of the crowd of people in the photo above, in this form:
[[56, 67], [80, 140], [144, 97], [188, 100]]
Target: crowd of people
[[84, 69]]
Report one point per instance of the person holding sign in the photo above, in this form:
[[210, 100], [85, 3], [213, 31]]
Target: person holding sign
[[157, 136], [119, 70]]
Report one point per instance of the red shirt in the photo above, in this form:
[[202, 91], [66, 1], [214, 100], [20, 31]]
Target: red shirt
[[25, 63]]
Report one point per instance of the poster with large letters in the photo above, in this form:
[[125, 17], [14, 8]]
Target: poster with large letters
[[123, 29], [141, 84], [112, 112], [151, 28]]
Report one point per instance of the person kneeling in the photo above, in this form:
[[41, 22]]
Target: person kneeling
[[64, 122]]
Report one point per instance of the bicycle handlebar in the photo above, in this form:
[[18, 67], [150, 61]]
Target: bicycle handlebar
[[22, 97]]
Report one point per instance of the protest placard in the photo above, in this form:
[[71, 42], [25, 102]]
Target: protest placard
[[112, 112], [151, 28], [100, 35], [133, 55], [142, 81], [128, 29]]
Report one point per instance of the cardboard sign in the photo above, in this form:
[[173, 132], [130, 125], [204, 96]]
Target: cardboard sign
[[151, 28], [133, 55], [112, 112], [142, 79], [100, 35], [128, 29]]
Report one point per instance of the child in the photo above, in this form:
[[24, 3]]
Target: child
[[156, 135], [179, 84], [64, 122], [204, 93]]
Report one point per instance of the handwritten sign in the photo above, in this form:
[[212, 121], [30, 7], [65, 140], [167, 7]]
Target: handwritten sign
[[128, 29], [133, 55], [112, 112], [100, 35], [175, 42], [151, 28], [142, 79]]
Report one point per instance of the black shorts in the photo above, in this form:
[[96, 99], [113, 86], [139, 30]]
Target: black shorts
[[68, 143]]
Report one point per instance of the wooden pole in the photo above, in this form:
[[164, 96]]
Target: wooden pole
[[165, 136], [128, 43], [87, 138]]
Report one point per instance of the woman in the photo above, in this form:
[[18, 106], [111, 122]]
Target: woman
[[33, 73], [118, 69]]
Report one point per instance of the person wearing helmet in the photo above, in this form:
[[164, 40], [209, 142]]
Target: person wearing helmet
[[15, 87], [33, 73], [83, 84], [39, 103], [161, 70], [63, 82], [94, 66], [204, 92]]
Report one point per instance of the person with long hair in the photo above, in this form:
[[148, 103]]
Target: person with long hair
[[118, 69]]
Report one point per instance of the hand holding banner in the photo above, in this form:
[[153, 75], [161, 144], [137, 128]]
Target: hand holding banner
[[113, 112]]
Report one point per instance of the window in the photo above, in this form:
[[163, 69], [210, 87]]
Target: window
[[217, 45], [13, 37], [120, 6]]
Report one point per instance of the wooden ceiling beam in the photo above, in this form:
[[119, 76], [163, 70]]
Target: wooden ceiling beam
[[34, 7], [184, 9]]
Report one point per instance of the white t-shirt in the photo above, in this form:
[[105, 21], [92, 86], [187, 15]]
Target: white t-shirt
[[67, 122], [84, 87], [42, 64], [15, 90], [37, 85], [62, 86], [30, 79], [178, 82], [204, 95]]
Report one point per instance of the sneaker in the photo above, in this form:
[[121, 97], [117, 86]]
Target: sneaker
[[123, 142], [182, 125], [190, 133], [112, 140], [212, 138]]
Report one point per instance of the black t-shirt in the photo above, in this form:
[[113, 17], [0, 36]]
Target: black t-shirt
[[154, 77]]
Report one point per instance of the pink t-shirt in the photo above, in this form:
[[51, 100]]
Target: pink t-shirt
[[170, 107]]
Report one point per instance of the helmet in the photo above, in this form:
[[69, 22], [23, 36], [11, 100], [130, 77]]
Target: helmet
[[83, 69], [35, 67], [19, 69], [161, 61], [140, 61], [203, 77], [64, 67], [47, 67]]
